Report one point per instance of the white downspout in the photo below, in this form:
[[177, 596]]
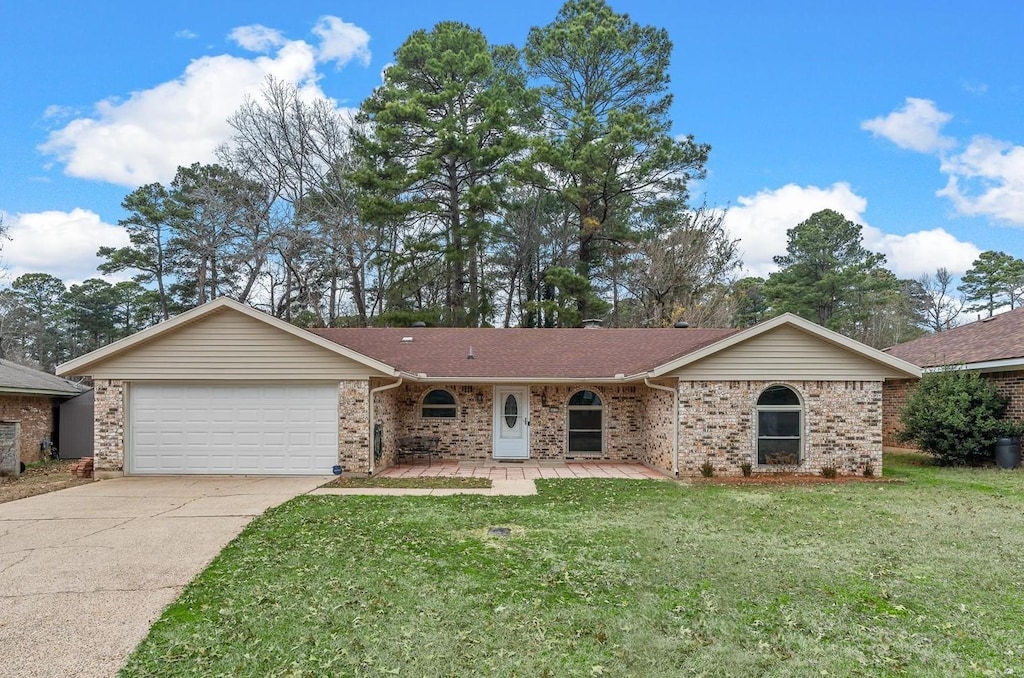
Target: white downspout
[[675, 422], [374, 392]]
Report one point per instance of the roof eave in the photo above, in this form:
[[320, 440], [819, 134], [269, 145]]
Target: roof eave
[[10, 390]]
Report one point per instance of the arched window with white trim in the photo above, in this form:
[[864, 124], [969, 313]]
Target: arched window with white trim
[[780, 416], [439, 404], [586, 419]]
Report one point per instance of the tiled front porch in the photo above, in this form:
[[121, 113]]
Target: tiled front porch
[[526, 471]]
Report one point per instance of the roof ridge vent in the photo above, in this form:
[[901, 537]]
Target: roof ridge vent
[[592, 323], [406, 340], [681, 324]]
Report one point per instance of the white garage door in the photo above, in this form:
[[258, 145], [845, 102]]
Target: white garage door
[[289, 430]]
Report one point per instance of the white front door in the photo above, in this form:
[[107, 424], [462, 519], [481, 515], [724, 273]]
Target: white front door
[[511, 422]]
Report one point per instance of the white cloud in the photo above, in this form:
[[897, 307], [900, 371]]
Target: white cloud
[[62, 244], [914, 254], [987, 179], [186, 34], [761, 222], [145, 137], [257, 38], [341, 41], [916, 126], [984, 179]]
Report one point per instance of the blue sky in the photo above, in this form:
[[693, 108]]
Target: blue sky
[[905, 116]]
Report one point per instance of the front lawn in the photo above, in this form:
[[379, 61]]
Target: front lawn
[[619, 578]]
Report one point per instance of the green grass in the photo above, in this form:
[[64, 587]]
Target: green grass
[[619, 578], [423, 483]]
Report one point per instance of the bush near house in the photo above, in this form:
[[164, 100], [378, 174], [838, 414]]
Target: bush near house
[[955, 416]]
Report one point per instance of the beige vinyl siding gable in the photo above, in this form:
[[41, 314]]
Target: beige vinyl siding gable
[[785, 353], [229, 345]]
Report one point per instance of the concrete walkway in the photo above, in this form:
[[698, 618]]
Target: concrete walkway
[[506, 479], [86, 571], [503, 487]]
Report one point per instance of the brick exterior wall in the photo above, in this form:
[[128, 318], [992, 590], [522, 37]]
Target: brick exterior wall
[[354, 425], [386, 412], [895, 393], [467, 437], [658, 409], [622, 420], [636, 419], [108, 429], [842, 425], [1010, 385], [35, 414]]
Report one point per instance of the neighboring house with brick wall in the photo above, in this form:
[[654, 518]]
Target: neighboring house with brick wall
[[993, 347], [227, 389], [29, 400]]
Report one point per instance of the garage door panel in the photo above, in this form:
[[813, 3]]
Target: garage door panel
[[233, 429]]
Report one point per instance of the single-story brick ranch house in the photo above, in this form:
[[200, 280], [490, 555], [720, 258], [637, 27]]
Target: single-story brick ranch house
[[224, 388], [993, 347], [29, 399]]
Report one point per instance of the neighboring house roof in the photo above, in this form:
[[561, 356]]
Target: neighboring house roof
[[18, 379], [516, 353], [998, 340]]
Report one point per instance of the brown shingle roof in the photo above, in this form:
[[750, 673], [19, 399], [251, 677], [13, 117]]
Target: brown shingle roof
[[1000, 337], [524, 353]]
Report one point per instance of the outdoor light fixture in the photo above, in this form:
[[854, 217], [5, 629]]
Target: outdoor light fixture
[[479, 398]]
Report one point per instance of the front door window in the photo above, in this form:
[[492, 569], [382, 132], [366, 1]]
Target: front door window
[[511, 411]]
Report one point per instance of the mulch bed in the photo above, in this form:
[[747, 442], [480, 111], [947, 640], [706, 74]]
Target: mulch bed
[[790, 479], [40, 479]]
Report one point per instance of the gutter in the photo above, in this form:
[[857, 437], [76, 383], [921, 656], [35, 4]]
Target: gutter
[[455, 379], [675, 422], [373, 392], [1004, 365]]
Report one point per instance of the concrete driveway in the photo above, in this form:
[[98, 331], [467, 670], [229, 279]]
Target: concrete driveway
[[85, 571]]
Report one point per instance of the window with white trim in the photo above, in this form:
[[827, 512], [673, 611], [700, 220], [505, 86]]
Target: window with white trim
[[439, 404], [586, 416], [779, 427]]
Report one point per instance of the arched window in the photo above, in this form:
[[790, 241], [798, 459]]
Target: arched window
[[779, 426], [585, 422], [439, 404]]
